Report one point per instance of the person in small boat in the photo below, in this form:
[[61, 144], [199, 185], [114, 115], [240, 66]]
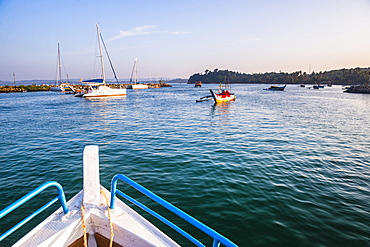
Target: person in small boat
[[224, 94]]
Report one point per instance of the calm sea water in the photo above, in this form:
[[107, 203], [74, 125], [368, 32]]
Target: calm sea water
[[285, 168]]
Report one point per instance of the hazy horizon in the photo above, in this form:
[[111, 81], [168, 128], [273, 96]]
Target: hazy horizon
[[177, 39]]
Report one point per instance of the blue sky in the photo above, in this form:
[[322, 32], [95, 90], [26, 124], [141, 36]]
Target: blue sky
[[175, 39]]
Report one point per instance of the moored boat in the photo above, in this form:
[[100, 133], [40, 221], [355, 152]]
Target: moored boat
[[96, 217], [317, 86], [276, 88], [60, 86], [98, 87], [224, 93], [101, 90], [135, 81], [63, 87], [224, 96], [139, 86], [198, 84]]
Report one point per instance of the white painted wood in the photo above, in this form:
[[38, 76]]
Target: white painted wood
[[130, 228], [58, 230], [91, 183]]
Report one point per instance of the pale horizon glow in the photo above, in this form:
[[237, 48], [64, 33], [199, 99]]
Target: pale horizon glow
[[177, 39]]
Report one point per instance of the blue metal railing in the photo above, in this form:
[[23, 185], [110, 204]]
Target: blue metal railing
[[217, 238], [27, 197]]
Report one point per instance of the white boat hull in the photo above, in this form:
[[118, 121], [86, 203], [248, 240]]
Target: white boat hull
[[56, 89], [130, 228], [62, 230], [139, 86], [104, 91]]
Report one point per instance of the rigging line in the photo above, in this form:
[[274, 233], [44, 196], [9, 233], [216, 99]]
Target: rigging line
[[83, 225], [59, 66], [56, 72], [110, 62], [132, 73], [96, 66], [64, 67]]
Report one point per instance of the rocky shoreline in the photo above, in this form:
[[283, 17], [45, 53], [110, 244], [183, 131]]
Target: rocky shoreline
[[45, 87]]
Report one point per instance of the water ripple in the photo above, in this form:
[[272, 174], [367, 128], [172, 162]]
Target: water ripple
[[270, 169]]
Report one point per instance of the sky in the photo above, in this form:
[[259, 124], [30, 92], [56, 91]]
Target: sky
[[176, 39]]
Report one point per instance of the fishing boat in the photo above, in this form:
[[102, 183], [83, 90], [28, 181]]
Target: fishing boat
[[135, 81], [276, 88], [96, 217], [224, 93], [317, 86], [60, 85], [197, 84], [98, 87]]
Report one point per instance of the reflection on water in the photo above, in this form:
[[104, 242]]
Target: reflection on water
[[222, 111]]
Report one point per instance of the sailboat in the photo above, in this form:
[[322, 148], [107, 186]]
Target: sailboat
[[60, 85], [97, 87], [136, 84]]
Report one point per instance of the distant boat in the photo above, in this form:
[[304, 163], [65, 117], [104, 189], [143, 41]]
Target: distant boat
[[317, 86], [97, 217], [135, 80], [97, 87], [139, 86], [276, 88], [303, 85], [198, 84], [224, 94], [60, 85]]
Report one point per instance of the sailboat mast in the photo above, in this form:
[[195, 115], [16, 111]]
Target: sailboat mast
[[59, 77], [134, 72], [136, 79], [101, 54]]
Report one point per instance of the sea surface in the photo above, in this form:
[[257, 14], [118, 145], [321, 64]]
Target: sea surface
[[287, 168]]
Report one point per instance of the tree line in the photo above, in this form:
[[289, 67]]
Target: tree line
[[353, 76]]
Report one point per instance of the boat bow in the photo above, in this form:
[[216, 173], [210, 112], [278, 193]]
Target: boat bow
[[95, 217]]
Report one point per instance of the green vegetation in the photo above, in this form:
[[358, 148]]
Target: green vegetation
[[23, 88], [340, 77], [44, 87]]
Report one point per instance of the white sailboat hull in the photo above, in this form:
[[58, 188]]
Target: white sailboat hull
[[104, 91], [56, 89], [139, 86], [62, 88]]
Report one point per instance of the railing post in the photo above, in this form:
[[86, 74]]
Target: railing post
[[61, 197], [113, 192]]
